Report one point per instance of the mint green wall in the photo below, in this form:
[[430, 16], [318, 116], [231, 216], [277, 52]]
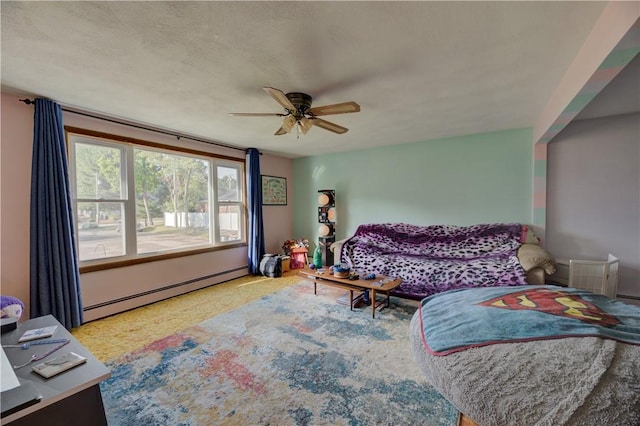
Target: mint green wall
[[465, 180]]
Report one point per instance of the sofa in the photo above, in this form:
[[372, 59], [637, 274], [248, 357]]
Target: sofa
[[436, 258]]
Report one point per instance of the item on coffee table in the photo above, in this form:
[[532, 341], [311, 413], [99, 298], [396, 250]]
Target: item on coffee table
[[341, 271]]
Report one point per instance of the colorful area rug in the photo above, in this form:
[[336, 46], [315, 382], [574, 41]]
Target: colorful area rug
[[290, 358]]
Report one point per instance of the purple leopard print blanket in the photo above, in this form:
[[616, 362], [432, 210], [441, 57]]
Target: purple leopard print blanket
[[433, 259]]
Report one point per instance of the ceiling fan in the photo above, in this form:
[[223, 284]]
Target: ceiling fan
[[298, 112]]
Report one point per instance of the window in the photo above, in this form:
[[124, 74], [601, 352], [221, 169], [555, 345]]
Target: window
[[138, 200]]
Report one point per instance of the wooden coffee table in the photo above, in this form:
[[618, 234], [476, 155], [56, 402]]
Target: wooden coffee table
[[353, 285]]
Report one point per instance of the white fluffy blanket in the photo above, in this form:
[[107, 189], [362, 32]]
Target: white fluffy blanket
[[571, 381]]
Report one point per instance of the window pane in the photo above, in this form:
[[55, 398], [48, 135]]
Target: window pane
[[228, 184], [230, 220], [172, 201], [98, 172], [99, 230], [160, 195]]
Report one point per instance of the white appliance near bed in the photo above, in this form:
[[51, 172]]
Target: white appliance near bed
[[598, 276]]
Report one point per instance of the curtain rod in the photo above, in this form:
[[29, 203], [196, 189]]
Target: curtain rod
[[111, 120]]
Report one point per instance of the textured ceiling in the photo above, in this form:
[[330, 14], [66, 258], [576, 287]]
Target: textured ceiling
[[419, 70]]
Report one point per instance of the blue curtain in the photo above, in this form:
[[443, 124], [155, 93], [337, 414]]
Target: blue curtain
[[55, 278], [254, 204]]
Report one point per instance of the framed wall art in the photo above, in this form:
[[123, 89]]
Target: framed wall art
[[274, 191]]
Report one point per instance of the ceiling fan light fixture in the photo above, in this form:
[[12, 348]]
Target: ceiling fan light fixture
[[304, 125], [288, 123]]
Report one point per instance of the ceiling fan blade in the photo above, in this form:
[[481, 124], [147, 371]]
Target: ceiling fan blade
[[287, 124], [256, 114], [341, 108], [280, 97], [327, 125]]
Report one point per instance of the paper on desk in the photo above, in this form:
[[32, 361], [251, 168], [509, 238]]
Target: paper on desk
[[8, 379]]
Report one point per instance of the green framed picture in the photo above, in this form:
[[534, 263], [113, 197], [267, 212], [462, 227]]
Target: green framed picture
[[274, 191]]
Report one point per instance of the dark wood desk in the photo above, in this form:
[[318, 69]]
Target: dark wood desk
[[70, 398]]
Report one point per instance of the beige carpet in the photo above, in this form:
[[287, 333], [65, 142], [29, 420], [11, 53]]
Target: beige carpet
[[110, 337]]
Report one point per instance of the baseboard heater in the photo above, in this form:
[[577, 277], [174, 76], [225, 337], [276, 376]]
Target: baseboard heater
[[167, 287]]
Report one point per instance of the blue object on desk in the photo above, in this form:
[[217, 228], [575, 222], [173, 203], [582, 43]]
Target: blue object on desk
[[36, 342]]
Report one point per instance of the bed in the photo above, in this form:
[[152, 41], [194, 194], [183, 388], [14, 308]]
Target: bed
[[532, 355]]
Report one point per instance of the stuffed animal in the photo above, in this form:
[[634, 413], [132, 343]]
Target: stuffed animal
[[11, 307], [528, 236]]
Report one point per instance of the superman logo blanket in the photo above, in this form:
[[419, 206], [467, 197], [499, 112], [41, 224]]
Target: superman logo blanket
[[461, 319]]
